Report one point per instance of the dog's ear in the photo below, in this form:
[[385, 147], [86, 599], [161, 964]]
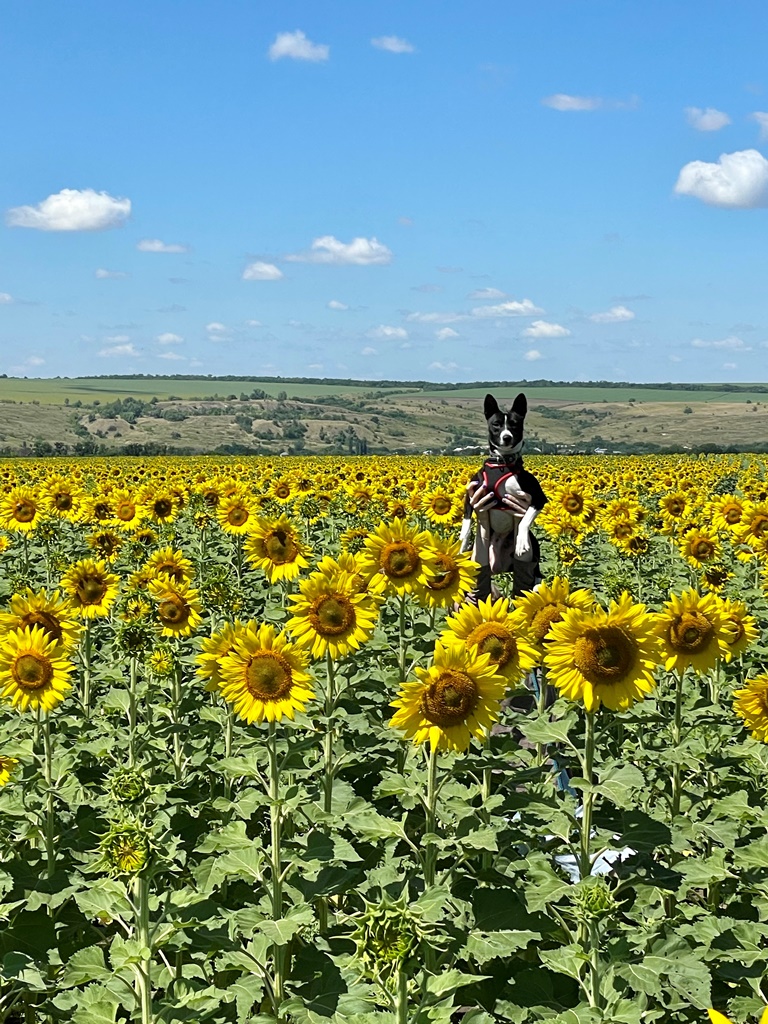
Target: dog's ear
[[520, 405], [491, 406]]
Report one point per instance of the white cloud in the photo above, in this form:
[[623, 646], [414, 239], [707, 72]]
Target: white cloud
[[435, 318], [709, 120], [5, 299], [315, 366], [562, 101], [119, 350], [253, 323], [169, 339], [172, 355], [731, 343], [675, 359], [543, 329], [737, 180], [729, 366], [217, 331], [444, 367], [72, 210], [393, 44], [511, 308], [532, 355], [360, 252], [761, 116], [35, 361], [368, 351], [385, 332], [614, 315], [110, 275], [117, 339], [259, 271], [487, 293], [155, 245], [445, 333], [335, 304], [296, 46]]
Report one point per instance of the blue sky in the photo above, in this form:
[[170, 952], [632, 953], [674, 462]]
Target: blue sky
[[440, 190]]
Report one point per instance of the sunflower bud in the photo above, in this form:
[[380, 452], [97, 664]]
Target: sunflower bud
[[593, 899], [386, 935], [161, 662], [125, 849], [128, 786], [135, 636]]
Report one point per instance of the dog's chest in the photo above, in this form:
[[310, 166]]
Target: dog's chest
[[503, 522]]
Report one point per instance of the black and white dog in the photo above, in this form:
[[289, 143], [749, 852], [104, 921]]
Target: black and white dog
[[497, 494]]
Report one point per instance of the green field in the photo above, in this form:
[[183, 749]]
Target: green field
[[54, 391], [106, 389]]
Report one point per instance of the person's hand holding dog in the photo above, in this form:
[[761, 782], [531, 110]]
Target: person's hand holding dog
[[481, 499]]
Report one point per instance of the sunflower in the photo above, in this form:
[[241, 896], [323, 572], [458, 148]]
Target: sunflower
[[165, 562], [751, 704], [488, 628], [215, 647], [159, 504], [754, 521], [178, 607], [402, 555], [604, 657], [127, 513], [741, 628], [673, 508], [92, 589], [21, 510], [106, 543], [699, 547], [63, 497], [719, 1018], [8, 766], [727, 512], [715, 575], [456, 574], [442, 506], [34, 672], [52, 613], [456, 698], [330, 615], [236, 513], [693, 630], [264, 676], [539, 609], [281, 490], [277, 549]]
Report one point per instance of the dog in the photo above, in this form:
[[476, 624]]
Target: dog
[[497, 494]]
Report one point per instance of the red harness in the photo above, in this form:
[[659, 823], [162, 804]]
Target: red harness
[[494, 482]]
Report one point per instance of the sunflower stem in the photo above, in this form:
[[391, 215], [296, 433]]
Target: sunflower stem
[[402, 996], [143, 969], [430, 853], [487, 857], [275, 828], [50, 848], [677, 733], [403, 645], [133, 681], [585, 861], [85, 695], [330, 707], [178, 752], [595, 995], [541, 710]]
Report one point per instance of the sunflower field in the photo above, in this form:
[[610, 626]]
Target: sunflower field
[[261, 761]]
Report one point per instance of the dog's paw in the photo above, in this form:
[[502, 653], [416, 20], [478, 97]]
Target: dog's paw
[[523, 549]]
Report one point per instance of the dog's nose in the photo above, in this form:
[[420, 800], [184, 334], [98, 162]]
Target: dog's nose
[[506, 437]]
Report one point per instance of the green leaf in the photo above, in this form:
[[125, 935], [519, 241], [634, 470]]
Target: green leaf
[[484, 946], [84, 966], [568, 960], [96, 1005], [450, 981], [107, 899], [539, 730]]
